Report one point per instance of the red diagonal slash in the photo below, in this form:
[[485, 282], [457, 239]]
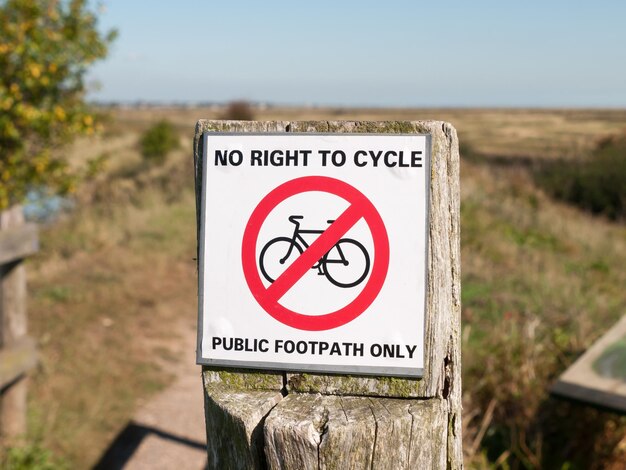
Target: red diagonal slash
[[360, 208], [314, 253]]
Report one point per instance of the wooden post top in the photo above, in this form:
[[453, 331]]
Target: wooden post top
[[443, 297]]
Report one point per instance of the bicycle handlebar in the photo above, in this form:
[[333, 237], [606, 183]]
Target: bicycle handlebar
[[294, 219]]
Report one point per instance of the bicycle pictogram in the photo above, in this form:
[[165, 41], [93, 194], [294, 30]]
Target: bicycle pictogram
[[345, 265]]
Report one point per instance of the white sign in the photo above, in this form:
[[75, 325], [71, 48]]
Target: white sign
[[313, 252]]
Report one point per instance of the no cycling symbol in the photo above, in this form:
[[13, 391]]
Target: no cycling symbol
[[328, 254]]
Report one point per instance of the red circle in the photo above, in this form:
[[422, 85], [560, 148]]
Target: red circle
[[379, 269]]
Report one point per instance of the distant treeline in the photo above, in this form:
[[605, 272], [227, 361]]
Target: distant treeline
[[596, 184]]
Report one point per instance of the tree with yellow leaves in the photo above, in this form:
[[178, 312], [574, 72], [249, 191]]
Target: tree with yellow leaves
[[46, 47]]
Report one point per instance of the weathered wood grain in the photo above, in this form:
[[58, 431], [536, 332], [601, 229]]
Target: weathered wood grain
[[313, 431], [18, 242], [16, 360], [430, 446], [294, 432], [243, 379], [13, 327], [234, 421]]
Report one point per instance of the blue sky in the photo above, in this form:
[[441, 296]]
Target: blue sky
[[360, 53]]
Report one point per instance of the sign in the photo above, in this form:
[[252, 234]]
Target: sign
[[345, 262], [313, 252], [598, 377]]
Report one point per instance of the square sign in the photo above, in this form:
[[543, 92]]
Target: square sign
[[313, 251]]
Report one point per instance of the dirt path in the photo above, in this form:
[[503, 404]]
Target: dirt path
[[168, 431]]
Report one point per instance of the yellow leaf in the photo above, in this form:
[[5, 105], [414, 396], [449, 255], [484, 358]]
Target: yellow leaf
[[35, 70], [59, 113], [7, 103]]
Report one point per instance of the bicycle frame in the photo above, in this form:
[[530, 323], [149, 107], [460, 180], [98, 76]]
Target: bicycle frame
[[297, 238], [355, 252]]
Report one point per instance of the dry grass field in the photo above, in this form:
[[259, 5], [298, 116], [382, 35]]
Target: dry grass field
[[530, 133], [113, 289]]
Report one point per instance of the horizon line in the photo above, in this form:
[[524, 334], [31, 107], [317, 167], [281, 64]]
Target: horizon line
[[268, 104]]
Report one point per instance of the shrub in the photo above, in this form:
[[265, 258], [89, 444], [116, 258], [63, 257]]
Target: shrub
[[238, 111], [46, 48], [158, 141], [596, 184]]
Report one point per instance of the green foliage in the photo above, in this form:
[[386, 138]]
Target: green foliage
[[46, 47], [539, 285], [158, 141], [597, 184], [30, 457]]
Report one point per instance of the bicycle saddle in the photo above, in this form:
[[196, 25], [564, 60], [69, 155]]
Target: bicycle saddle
[[294, 218]]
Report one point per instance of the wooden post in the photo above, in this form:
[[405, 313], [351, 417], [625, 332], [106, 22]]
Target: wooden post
[[17, 351], [259, 419]]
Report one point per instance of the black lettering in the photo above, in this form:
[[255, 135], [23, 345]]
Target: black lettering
[[324, 154], [228, 344], [358, 349], [376, 350], [305, 156], [235, 157], [338, 157], [335, 349], [290, 346], [255, 158], [216, 342], [387, 161], [238, 344], [276, 158], [415, 160], [411, 350], [323, 346], [221, 158], [301, 347], [357, 154], [375, 157], [399, 355], [388, 350], [278, 344], [263, 345], [291, 157], [402, 163]]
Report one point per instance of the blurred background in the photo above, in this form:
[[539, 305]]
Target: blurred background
[[98, 103]]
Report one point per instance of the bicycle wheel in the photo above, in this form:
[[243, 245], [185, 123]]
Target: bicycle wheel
[[273, 259], [355, 268]]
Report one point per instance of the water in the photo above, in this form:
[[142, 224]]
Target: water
[[42, 206], [612, 362]]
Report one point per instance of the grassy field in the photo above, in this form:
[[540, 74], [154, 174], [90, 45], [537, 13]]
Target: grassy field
[[113, 293], [526, 133], [113, 289]]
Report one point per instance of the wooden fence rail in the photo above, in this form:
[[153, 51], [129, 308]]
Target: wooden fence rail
[[18, 353]]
